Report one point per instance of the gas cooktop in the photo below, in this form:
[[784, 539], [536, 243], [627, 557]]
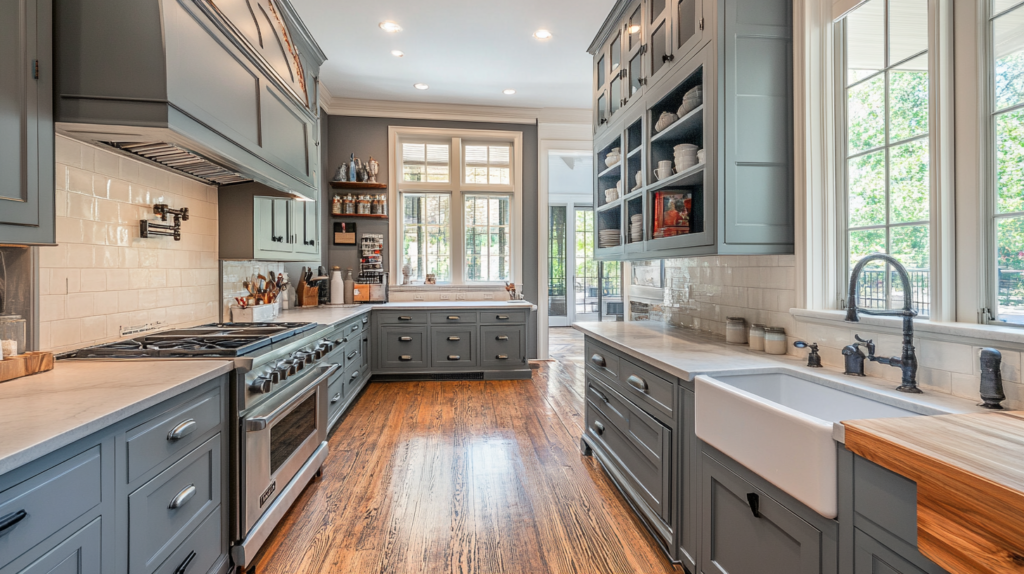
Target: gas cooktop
[[213, 340]]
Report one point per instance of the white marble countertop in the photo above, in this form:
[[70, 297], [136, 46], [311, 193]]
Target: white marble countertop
[[44, 412], [334, 314], [686, 354]]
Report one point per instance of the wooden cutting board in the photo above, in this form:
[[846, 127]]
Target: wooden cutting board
[[25, 364], [969, 471]]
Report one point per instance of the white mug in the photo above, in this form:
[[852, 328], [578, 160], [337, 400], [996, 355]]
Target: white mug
[[667, 164], [663, 172]]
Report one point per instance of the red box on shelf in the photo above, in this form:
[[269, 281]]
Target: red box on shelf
[[671, 214]]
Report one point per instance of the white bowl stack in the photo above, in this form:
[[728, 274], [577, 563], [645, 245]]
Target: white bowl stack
[[608, 238], [611, 194], [691, 100], [636, 228], [685, 156]]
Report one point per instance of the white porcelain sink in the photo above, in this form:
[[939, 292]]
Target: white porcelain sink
[[778, 423]]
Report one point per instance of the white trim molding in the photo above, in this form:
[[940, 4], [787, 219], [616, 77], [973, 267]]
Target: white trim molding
[[336, 106]]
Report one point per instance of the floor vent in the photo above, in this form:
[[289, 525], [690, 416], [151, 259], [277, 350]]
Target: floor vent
[[174, 157]]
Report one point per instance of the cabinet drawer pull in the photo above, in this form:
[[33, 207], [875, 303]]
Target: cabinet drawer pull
[[405, 318], [405, 339], [502, 357], [502, 317], [353, 376], [598, 427], [755, 504], [352, 355], [453, 317], [405, 358], [454, 338], [598, 360], [599, 394], [335, 398], [355, 328], [502, 337], [183, 429], [637, 383], [454, 357], [365, 320], [9, 520], [182, 498], [188, 562]]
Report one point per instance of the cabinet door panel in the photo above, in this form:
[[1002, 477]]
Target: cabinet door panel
[[736, 541], [272, 226], [404, 347], [79, 554], [306, 226], [286, 134], [872, 557]]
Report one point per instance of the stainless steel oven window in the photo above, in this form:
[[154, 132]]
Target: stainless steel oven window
[[293, 430]]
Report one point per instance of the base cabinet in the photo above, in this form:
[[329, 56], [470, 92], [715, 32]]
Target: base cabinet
[[79, 554], [872, 557], [745, 531], [352, 355]]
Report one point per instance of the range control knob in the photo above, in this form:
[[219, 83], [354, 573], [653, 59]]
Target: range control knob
[[298, 361], [286, 368], [325, 346], [261, 385]]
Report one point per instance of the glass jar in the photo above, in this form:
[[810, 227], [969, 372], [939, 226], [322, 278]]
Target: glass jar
[[363, 205], [736, 330], [375, 205], [775, 341], [348, 204], [384, 204], [336, 205], [756, 337]]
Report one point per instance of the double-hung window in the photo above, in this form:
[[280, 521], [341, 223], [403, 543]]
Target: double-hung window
[[885, 177], [1007, 117], [461, 204]]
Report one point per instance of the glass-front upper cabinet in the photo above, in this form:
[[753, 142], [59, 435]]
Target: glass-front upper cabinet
[[689, 27], [633, 74], [659, 39], [601, 90], [615, 74]]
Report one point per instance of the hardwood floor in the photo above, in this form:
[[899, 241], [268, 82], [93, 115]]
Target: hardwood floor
[[466, 477]]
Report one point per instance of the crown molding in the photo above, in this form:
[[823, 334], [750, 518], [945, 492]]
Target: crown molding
[[336, 106]]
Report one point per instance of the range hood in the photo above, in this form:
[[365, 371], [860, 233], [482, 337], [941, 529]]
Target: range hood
[[223, 91]]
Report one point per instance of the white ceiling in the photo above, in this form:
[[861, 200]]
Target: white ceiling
[[466, 51]]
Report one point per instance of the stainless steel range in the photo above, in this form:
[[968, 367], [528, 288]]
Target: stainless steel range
[[279, 396]]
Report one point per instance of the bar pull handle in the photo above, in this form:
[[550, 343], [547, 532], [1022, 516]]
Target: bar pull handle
[[453, 357], [637, 383], [502, 317], [502, 357], [9, 520], [405, 358], [354, 376], [182, 430], [502, 337], [405, 318], [352, 355], [599, 394], [453, 317], [182, 498], [188, 562], [454, 338], [755, 504], [405, 339]]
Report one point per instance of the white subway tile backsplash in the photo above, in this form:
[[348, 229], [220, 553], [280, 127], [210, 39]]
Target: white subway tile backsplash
[[90, 283]]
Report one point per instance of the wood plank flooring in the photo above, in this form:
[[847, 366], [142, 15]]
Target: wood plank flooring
[[463, 477]]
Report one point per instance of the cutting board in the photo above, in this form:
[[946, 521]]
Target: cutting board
[[25, 364]]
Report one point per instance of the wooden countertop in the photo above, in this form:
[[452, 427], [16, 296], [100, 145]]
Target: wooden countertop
[[969, 470]]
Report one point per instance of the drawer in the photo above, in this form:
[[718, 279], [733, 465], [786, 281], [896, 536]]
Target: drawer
[[171, 433], [352, 378], [198, 553], [364, 322], [335, 395], [737, 541], [352, 350], [602, 360], [502, 317], [503, 346], [165, 510], [453, 317], [403, 347], [49, 501], [402, 317], [452, 347], [649, 477], [79, 554], [351, 329], [646, 388]]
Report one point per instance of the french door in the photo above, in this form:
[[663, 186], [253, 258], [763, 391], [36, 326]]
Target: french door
[[579, 287]]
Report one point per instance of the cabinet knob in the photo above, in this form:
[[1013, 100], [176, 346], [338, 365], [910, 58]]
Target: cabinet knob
[[667, 58], [598, 427]]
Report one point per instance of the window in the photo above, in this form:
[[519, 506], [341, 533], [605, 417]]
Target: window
[[461, 205], [426, 234], [1007, 105], [887, 180], [488, 230]]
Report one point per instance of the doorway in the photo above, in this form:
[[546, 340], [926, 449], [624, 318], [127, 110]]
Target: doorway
[[580, 288]]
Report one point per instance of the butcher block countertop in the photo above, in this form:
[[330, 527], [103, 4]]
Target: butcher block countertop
[[969, 470]]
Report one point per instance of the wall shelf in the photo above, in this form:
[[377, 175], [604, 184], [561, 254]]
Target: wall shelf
[[685, 127], [362, 215], [691, 176], [357, 185]]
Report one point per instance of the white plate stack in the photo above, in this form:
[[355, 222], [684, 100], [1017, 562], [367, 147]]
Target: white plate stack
[[608, 238], [685, 157], [636, 228]]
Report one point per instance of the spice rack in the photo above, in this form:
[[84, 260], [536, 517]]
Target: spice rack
[[371, 262], [360, 205]]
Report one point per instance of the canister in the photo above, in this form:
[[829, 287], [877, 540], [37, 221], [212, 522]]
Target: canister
[[736, 330], [756, 337], [775, 341]]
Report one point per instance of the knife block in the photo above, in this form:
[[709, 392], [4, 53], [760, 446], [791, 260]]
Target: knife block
[[307, 296]]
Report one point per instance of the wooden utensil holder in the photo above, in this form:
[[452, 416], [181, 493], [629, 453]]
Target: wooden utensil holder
[[308, 296], [25, 364]]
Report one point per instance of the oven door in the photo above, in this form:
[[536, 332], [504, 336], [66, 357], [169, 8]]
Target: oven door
[[279, 437]]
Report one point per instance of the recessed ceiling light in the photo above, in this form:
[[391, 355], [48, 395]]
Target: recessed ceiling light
[[421, 86], [509, 92], [542, 35], [397, 53], [634, 28], [389, 26]]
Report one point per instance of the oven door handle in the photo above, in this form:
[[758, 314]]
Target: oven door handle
[[261, 423]]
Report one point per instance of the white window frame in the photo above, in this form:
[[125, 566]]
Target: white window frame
[[458, 189]]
